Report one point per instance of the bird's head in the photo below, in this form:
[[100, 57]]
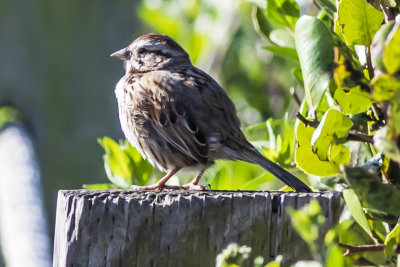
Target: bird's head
[[152, 52]]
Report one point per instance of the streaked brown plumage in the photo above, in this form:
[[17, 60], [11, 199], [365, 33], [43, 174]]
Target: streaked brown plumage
[[177, 116]]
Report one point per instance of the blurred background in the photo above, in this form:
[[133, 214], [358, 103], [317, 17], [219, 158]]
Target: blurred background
[[57, 76]]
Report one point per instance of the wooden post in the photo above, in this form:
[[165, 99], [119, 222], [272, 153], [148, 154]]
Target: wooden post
[[178, 228]]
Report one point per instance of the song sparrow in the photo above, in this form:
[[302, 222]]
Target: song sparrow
[[178, 117]]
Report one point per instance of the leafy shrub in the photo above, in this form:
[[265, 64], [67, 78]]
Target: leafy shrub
[[346, 135]]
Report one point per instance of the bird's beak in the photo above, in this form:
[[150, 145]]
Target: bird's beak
[[121, 54]]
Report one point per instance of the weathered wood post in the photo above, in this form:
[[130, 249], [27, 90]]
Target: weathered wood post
[[177, 228]]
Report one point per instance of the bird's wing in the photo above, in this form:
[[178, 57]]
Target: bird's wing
[[171, 106]]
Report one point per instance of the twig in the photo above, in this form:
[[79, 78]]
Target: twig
[[362, 248], [306, 122], [362, 137], [369, 62], [295, 96], [375, 109], [316, 4]]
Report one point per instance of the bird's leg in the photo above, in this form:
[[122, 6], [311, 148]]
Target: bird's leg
[[193, 184], [159, 185]]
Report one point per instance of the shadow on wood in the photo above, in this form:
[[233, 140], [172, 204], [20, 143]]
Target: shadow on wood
[[178, 228]]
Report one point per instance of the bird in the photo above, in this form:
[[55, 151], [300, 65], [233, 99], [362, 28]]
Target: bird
[[178, 117]]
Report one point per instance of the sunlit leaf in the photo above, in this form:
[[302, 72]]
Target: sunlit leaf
[[352, 91], [339, 154], [314, 44], [117, 163], [256, 182], [391, 53], [98, 186], [141, 168], [385, 87], [356, 209], [334, 126], [334, 257], [275, 263], [391, 243], [352, 101], [7, 115], [358, 21], [306, 159]]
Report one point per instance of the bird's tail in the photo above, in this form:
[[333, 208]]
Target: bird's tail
[[253, 156]]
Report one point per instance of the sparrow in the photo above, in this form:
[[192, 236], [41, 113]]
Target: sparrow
[[178, 117]]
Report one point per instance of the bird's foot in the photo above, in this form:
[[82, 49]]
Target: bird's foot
[[189, 186], [155, 186]]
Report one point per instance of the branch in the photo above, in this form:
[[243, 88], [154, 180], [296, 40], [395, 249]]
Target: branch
[[361, 137], [295, 96], [369, 62], [313, 123], [362, 248], [316, 4], [375, 109]]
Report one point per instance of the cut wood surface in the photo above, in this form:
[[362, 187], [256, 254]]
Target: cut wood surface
[[178, 228]]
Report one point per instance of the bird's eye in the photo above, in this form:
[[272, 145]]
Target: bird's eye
[[142, 50]]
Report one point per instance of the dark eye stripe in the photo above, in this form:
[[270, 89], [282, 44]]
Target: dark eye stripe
[[142, 50]]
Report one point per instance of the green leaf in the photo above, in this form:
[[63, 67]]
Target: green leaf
[[370, 189], [232, 255], [308, 161], [391, 54], [119, 181], [7, 115], [283, 37], [98, 186], [385, 87], [261, 23], [334, 127], [314, 44], [378, 45], [358, 21], [380, 216], [116, 163], [352, 91], [275, 263], [339, 154], [254, 184], [356, 210], [391, 243], [328, 6], [334, 257], [353, 234], [307, 220], [296, 72], [285, 52], [352, 101], [283, 12], [141, 168]]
